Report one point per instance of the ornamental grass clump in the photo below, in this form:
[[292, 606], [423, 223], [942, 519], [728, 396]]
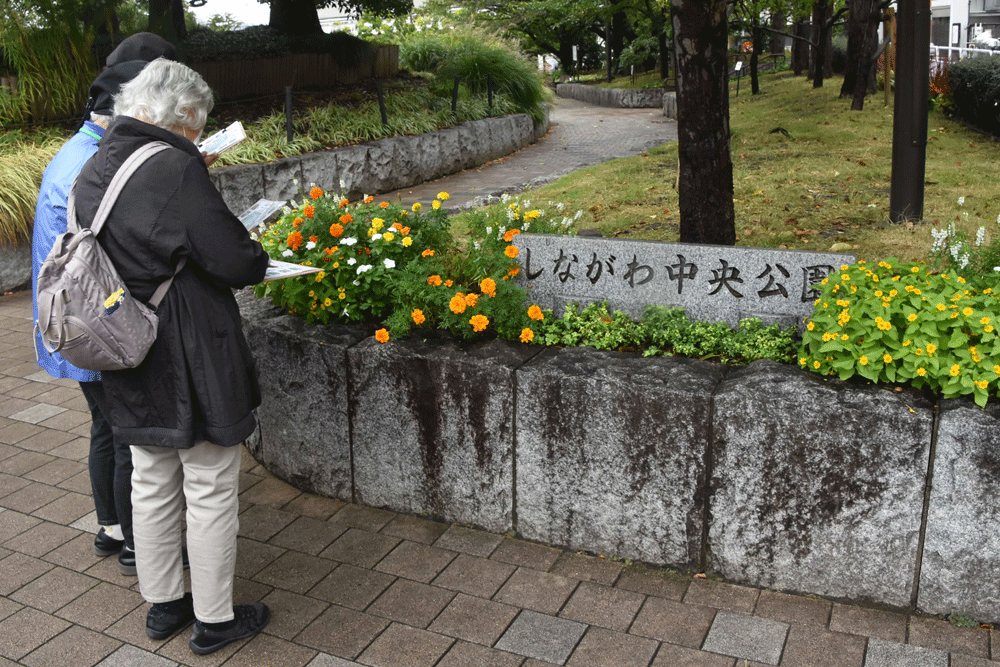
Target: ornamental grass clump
[[905, 323]]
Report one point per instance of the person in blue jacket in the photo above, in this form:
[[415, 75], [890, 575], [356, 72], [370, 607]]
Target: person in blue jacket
[[110, 466]]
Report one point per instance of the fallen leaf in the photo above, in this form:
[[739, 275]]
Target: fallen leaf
[[701, 575]]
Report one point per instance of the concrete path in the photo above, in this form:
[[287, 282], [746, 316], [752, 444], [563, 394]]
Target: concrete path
[[352, 585], [581, 135]]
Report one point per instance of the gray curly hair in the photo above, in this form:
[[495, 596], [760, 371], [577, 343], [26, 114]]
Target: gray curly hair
[[167, 94]]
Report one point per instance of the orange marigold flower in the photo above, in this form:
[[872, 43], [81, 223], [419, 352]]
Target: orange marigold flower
[[427, 253], [434, 280], [297, 222], [527, 335], [384, 204], [457, 304], [347, 218], [404, 231], [471, 299], [479, 322], [397, 226], [314, 239], [511, 233], [513, 272], [336, 229], [511, 251], [535, 313], [294, 240], [488, 286], [418, 316], [449, 283], [382, 336], [369, 199], [344, 203], [309, 211], [315, 193]]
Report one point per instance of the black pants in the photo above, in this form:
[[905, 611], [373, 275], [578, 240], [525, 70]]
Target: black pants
[[110, 466]]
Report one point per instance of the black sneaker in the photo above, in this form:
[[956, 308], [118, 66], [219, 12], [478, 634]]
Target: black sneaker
[[250, 620], [126, 561], [105, 545], [160, 624]]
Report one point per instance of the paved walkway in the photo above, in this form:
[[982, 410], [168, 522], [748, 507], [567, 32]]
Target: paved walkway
[[352, 585], [581, 135]]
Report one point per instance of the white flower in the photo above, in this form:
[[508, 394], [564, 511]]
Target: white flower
[[505, 198], [560, 206], [344, 313], [961, 201], [997, 269], [376, 237], [343, 185], [998, 219], [980, 236], [389, 264], [348, 242], [295, 181], [352, 261], [310, 245], [364, 267], [964, 262], [287, 253], [489, 230], [526, 225], [476, 244]]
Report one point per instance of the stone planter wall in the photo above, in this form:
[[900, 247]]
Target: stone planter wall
[[622, 98], [766, 475]]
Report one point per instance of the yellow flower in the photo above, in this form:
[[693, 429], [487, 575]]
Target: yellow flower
[[912, 317], [996, 369], [418, 316], [931, 348], [382, 336], [941, 306], [416, 207], [320, 276], [984, 320], [377, 223], [887, 358], [967, 311], [443, 196], [457, 304], [327, 302], [388, 236], [436, 205], [802, 361], [863, 360], [921, 371], [407, 242], [955, 370], [479, 322], [816, 365], [810, 326], [527, 335], [982, 384]]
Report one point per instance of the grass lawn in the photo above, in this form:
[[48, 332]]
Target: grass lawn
[[823, 186]]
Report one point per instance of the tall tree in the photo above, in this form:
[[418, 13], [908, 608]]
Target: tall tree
[[166, 19], [862, 43], [705, 179], [300, 17]]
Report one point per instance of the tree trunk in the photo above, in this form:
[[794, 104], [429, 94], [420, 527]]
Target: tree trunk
[[166, 19], [756, 46], [664, 54], [863, 25], [705, 178], [565, 56], [800, 48], [295, 17], [820, 13], [778, 24]]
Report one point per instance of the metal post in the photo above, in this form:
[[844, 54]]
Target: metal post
[[381, 102], [289, 130], [454, 98], [909, 115], [489, 90]]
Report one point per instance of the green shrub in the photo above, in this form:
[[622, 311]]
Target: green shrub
[[975, 90], [259, 41], [838, 54], [903, 323], [423, 52]]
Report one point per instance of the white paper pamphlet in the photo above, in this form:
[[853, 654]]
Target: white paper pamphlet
[[256, 215], [223, 140], [277, 269]]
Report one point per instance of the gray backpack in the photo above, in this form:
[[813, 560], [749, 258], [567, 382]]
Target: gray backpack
[[85, 312]]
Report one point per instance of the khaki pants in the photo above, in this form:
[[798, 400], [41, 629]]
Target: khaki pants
[[206, 478]]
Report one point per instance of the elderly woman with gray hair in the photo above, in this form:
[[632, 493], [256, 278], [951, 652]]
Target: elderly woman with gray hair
[[187, 408]]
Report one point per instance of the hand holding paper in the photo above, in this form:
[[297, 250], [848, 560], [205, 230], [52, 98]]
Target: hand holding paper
[[223, 139]]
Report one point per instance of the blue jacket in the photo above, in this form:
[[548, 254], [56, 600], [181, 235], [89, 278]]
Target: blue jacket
[[50, 222]]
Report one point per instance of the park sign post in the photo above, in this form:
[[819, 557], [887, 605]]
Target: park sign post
[[712, 283]]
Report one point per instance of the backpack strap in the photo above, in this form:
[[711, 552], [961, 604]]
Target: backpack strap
[[121, 177]]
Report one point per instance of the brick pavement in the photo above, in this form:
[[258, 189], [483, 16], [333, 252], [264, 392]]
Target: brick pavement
[[352, 585]]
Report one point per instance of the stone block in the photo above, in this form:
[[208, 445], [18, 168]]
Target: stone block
[[353, 164], [523, 127], [283, 179], [321, 168], [712, 283], [670, 105], [433, 428], [746, 637], [818, 484], [454, 154], [240, 185], [423, 156], [389, 165], [611, 452], [304, 435], [962, 545], [15, 266]]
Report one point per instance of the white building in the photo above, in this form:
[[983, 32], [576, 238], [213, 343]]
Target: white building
[[959, 22]]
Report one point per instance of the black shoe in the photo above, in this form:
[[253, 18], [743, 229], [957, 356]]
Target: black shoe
[[160, 624], [250, 620], [105, 545], [126, 561]]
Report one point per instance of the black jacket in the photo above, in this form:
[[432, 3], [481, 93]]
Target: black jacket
[[199, 380]]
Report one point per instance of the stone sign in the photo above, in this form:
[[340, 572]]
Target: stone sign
[[712, 283]]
